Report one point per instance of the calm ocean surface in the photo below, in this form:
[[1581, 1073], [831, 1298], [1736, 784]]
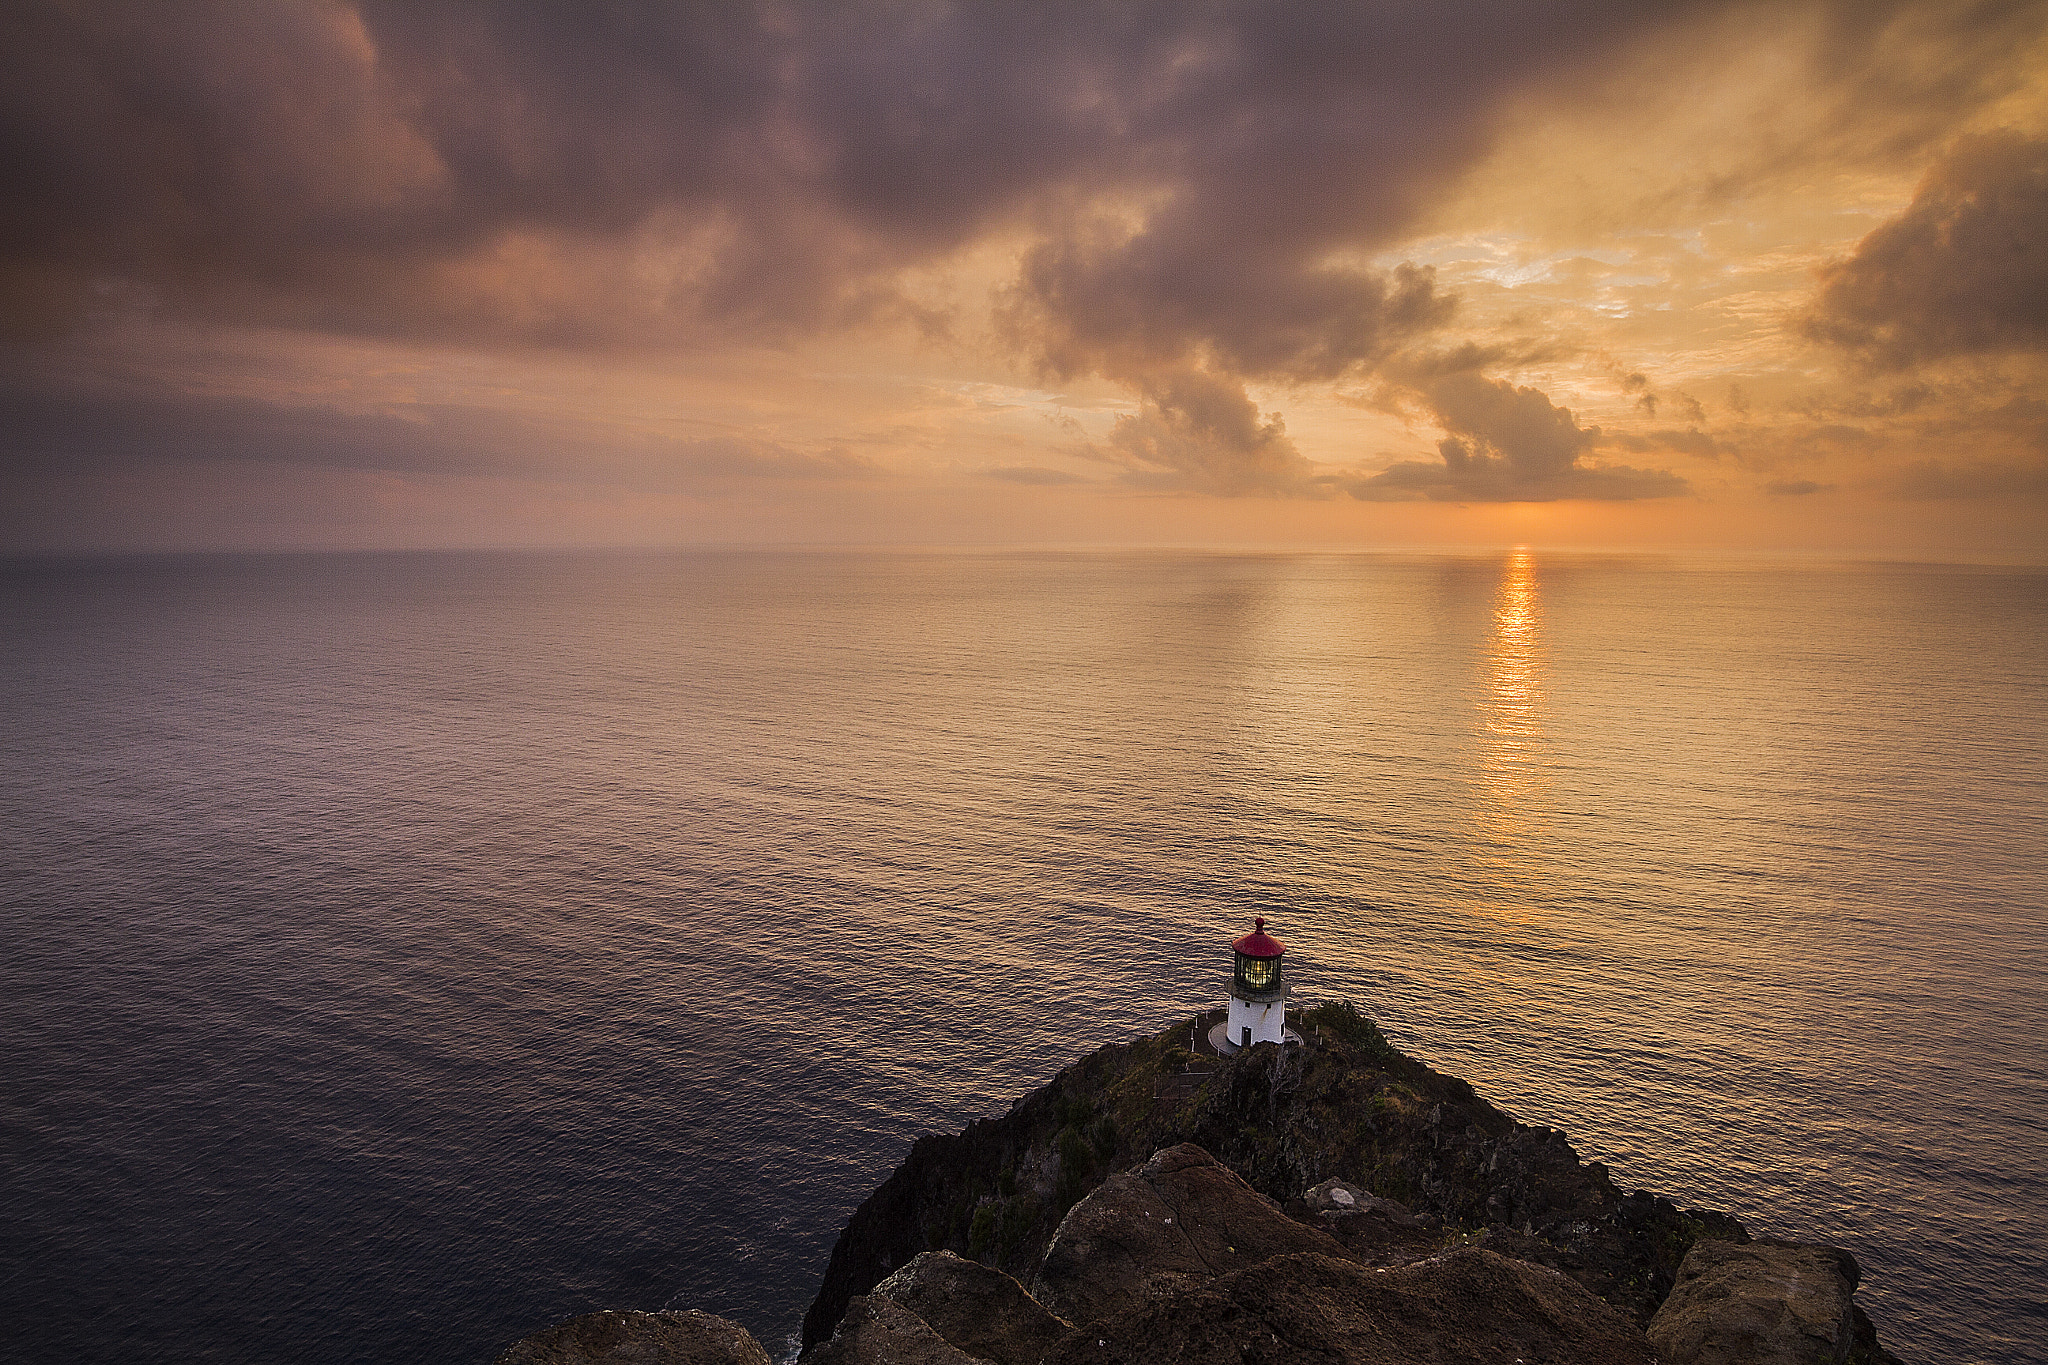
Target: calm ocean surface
[[404, 952]]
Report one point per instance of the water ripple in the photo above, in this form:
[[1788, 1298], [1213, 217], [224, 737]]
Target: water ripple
[[405, 951]]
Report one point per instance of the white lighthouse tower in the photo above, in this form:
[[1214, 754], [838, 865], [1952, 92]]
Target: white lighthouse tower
[[1258, 996]]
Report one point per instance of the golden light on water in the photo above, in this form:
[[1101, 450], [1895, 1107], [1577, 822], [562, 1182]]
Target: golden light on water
[[1513, 747]]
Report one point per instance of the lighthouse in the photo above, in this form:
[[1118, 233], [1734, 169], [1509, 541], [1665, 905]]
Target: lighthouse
[[1258, 997]]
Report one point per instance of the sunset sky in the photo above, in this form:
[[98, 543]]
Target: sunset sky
[[1689, 276]]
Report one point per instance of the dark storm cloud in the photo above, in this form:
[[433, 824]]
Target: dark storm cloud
[[1187, 169], [1197, 193], [1962, 271], [1508, 444]]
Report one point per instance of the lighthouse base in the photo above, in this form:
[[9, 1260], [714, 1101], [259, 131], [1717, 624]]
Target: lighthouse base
[[1220, 1041], [1260, 1018]]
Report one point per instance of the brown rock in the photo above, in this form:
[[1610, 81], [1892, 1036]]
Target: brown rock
[[690, 1338], [1286, 1120], [1334, 1197], [879, 1331], [982, 1311], [1373, 1230], [1177, 1221], [1462, 1308], [1767, 1303]]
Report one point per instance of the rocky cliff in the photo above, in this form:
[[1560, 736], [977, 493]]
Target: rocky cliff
[[1333, 1200], [1346, 1104]]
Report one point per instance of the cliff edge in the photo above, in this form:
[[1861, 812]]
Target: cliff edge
[[1331, 1200]]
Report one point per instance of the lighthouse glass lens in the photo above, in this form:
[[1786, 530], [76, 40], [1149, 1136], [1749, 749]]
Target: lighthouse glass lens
[[1258, 972]]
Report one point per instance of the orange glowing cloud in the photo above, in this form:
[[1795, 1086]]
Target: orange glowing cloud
[[1701, 273]]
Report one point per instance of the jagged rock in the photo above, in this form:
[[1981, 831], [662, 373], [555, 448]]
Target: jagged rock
[[1284, 1119], [1180, 1219], [1373, 1230], [982, 1311], [690, 1338], [879, 1331], [1468, 1306], [1766, 1303], [1339, 1197], [1181, 1260]]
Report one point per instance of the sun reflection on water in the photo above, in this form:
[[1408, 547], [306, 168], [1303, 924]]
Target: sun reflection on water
[[1513, 747]]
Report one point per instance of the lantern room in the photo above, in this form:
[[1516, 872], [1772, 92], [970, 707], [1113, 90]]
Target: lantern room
[[1258, 995], [1258, 962]]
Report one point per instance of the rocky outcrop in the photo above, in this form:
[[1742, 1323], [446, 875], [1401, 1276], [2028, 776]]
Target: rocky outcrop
[[1308, 1309], [1140, 1194], [1373, 1230], [982, 1311], [1178, 1221], [690, 1338], [1179, 1261], [1766, 1303], [879, 1331], [1285, 1119]]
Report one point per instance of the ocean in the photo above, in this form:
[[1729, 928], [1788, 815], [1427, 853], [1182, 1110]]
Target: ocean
[[404, 952]]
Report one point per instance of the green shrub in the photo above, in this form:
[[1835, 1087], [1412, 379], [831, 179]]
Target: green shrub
[[1077, 1165], [983, 1232], [1103, 1136], [1354, 1028], [1017, 1218]]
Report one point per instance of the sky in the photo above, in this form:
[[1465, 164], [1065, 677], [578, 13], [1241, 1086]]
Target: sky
[[1667, 276]]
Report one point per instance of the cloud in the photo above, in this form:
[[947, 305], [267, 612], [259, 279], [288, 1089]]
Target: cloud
[[1960, 272], [1535, 438], [1033, 474], [1509, 444], [1939, 480], [1795, 488], [1119, 309], [1692, 441], [43, 433], [1201, 431], [1180, 185], [1193, 202], [637, 172], [1188, 182]]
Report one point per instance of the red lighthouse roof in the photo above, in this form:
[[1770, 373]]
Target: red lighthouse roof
[[1259, 943]]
